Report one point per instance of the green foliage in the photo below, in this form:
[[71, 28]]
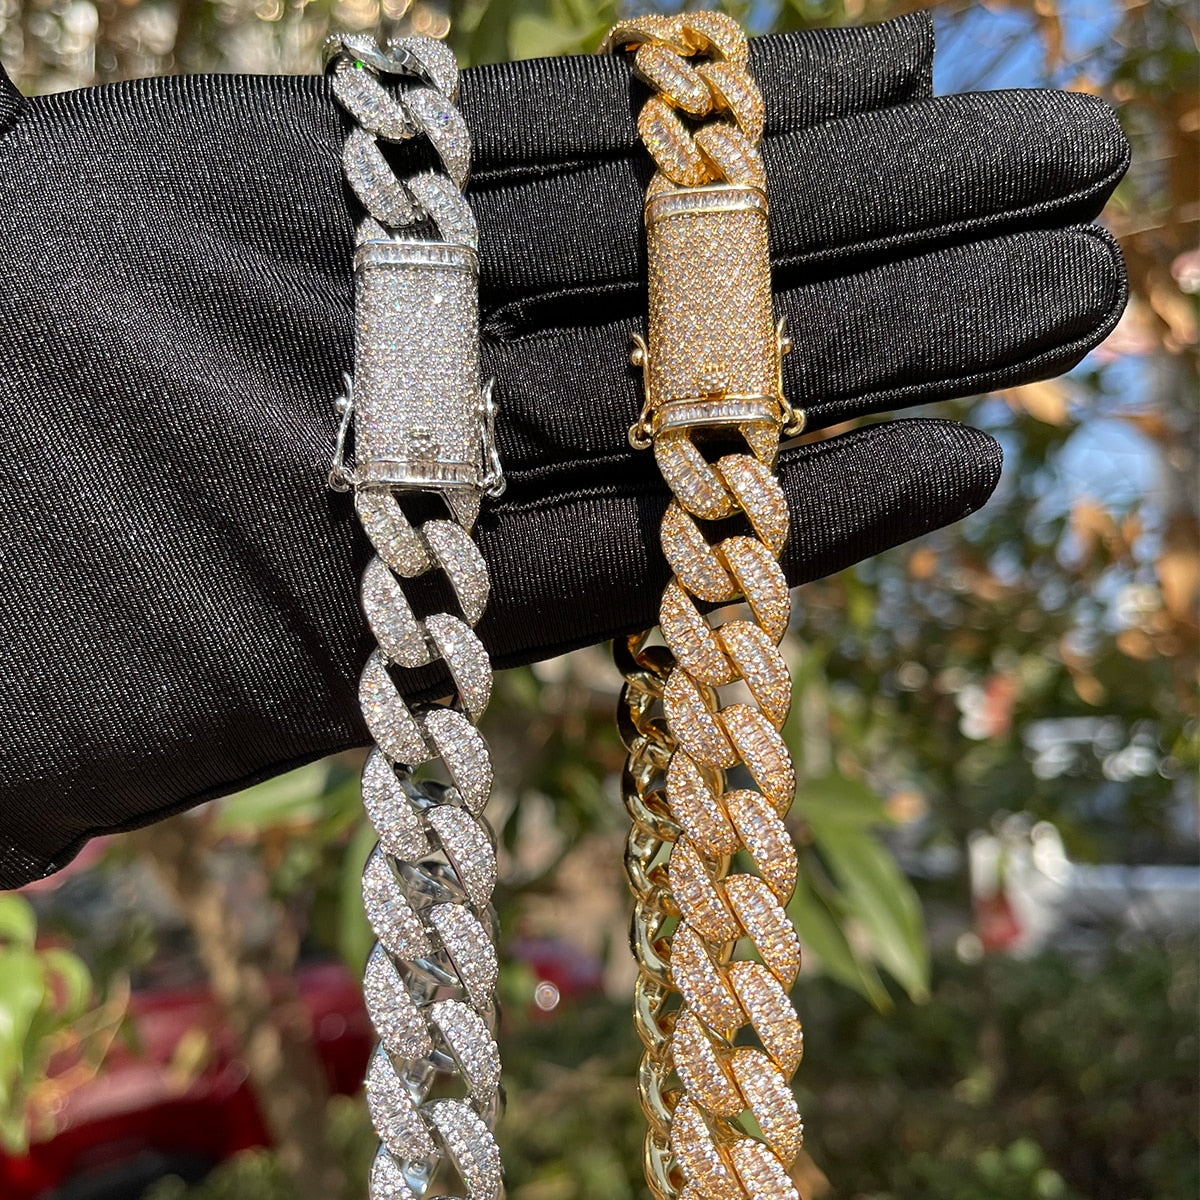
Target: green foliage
[[922, 676], [259, 1175], [43, 993], [852, 884], [497, 30], [1018, 1172], [1016, 1080], [1039, 1080]]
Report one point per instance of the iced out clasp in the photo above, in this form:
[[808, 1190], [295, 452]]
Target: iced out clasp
[[714, 352], [421, 417]]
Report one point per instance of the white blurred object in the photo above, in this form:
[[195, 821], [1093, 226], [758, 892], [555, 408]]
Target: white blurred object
[[1027, 893]]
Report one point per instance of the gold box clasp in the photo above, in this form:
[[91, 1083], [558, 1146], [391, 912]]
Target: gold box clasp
[[713, 356]]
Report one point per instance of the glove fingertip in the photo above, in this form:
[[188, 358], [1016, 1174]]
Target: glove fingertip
[[856, 495], [12, 103]]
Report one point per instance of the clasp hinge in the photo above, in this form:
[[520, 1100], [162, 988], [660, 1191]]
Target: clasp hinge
[[342, 478]]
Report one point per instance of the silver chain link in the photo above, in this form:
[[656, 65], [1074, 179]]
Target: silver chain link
[[431, 978]]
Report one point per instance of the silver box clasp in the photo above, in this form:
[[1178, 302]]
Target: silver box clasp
[[421, 417]]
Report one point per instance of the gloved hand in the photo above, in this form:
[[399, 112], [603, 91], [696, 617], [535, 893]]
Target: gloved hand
[[179, 612]]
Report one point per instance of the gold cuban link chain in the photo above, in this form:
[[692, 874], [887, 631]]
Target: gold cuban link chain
[[716, 951]]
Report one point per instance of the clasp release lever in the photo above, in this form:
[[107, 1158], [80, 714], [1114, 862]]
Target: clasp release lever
[[341, 477]]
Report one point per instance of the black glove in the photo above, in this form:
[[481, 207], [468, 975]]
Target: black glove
[[180, 609]]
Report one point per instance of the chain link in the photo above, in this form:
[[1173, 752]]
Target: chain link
[[717, 955], [431, 977]]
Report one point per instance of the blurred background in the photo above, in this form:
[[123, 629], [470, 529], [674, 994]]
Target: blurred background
[[1000, 992]]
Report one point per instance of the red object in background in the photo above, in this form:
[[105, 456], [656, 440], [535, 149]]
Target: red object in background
[[136, 1121], [996, 922], [571, 972]]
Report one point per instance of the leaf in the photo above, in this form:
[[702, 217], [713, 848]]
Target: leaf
[[490, 40], [22, 991], [821, 932], [341, 804], [73, 982], [534, 36], [841, 814], [883, 900], [1045, 401], [14, 1129], [354, 935], [18, 925], [835, 800], [860, 602], [289, 799]]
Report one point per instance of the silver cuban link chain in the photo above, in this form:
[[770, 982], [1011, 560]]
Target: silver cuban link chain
[[423, 424]]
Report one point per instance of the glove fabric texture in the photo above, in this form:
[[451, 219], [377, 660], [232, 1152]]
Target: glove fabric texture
[[179, 612]]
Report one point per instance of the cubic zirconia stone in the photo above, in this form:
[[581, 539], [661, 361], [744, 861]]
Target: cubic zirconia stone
[[361, 94], [460, 558], [738, 93], [468, 661], [761, 829], [666, 72], [400, 1024], [698, 1156], [391, 618], [445, 206], [760, 495], [698, 897], [443, 124], [732, 154], [770, 1012], [771, 1101], [469, 1040], [722, 33], [432, 60], [394, 1113], [398, 542], [692, 559], [761, 580], [697, 809], [763, 1176], [700, 983], [767, 924], [695, 724], [469, 849], [761, 747], [701, 1068], [471, 1146], [671, 144], [470, 950], [691, 639], [368, 173], [761, 665], [389, 810], [697, 487], [387, 1180], [393, 728], [392, 917], [462, 748]]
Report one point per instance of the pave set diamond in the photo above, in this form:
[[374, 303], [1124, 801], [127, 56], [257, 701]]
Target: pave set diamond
[[421, 423], [720, 1036], [717, 954]]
